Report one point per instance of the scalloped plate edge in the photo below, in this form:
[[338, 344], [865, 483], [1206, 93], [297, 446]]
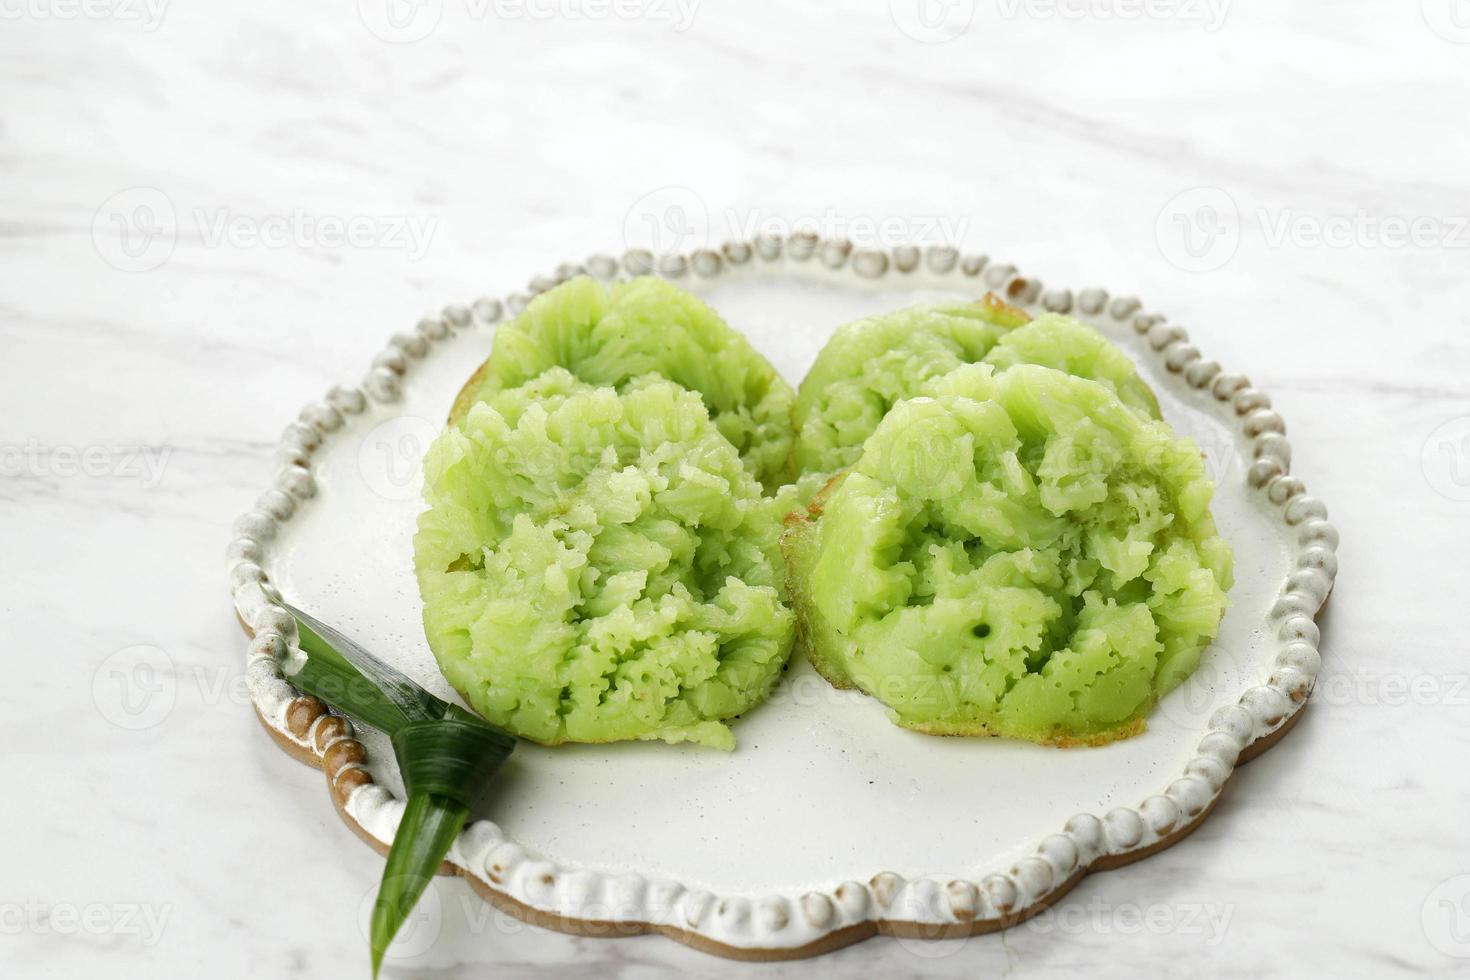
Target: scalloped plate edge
[[592, 904]]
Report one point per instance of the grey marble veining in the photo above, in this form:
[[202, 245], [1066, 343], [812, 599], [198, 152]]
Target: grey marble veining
[[179, 271]]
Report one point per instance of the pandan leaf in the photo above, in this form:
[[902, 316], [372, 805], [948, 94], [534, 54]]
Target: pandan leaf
[[428, 829], [446, 755], [325, 675], [415, 702]]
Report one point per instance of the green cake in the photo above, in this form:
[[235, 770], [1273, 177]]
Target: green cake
[[1003, 537], [872, 364], [1018, 553], [611, 335], [597, 564]]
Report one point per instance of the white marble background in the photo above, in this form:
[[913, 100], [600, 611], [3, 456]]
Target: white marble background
[[174, 183]]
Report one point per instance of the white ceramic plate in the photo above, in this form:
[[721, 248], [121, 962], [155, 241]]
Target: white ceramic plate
[[827, 823]]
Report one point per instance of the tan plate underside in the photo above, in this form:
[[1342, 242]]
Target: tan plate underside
[[341, 757]]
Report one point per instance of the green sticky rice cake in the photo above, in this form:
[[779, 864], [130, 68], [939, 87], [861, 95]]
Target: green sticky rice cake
[[1019, 553], [608, 335], [1056, 341], [598, 565], [870, 365]]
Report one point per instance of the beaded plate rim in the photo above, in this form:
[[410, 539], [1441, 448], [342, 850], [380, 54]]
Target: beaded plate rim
[[590, 903]]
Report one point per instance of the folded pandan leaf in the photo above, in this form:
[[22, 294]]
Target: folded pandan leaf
[[445, 754]]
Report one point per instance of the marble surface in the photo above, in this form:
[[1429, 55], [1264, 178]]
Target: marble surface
[[208, 216]]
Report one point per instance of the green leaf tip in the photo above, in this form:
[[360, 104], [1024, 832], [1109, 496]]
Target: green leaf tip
[[446, 755]]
